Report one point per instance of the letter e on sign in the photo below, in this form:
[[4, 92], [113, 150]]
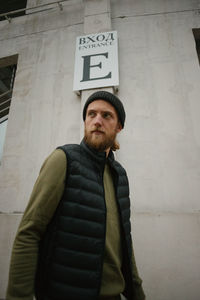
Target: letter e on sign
[[96, 61]]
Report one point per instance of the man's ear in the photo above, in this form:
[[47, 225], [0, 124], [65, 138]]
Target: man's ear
[[119, 127]]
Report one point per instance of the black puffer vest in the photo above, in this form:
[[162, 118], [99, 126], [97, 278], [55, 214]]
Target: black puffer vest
[[72, 250]]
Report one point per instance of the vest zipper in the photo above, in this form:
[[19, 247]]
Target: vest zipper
[[105, 219]]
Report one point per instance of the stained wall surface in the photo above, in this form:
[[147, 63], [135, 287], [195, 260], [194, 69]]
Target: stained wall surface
[[160, 144]]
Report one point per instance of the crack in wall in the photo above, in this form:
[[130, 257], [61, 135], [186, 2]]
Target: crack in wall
[[158, 13]]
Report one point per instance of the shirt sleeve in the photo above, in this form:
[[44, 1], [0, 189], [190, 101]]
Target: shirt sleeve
[[137, 281], [43, 202]]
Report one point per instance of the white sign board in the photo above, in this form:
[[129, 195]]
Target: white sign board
[[96, 61]]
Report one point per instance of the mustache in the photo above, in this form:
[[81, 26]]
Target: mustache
[[97, 130]]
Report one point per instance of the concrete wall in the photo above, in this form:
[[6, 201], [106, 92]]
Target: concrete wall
[[44, 113], [159, 85]]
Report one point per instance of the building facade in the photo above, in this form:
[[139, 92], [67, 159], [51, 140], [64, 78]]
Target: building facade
[[159, 84]]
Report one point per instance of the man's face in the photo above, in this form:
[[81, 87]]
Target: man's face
[[101, 125]]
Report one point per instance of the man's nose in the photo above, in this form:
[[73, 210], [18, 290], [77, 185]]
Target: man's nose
[[98, 120]]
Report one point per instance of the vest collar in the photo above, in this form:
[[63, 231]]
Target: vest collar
[[98, 156]]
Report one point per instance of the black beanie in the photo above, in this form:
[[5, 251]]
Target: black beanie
[[112, 99]]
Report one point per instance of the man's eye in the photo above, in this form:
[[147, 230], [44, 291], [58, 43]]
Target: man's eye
[[106, 115], [91, 114]]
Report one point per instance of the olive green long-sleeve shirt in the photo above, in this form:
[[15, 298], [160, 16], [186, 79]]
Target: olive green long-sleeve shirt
[[43, 202]]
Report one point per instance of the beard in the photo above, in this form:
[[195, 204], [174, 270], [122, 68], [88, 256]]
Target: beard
[[100, 142]]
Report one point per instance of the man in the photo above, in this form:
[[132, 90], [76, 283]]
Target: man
[[74, 240]]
